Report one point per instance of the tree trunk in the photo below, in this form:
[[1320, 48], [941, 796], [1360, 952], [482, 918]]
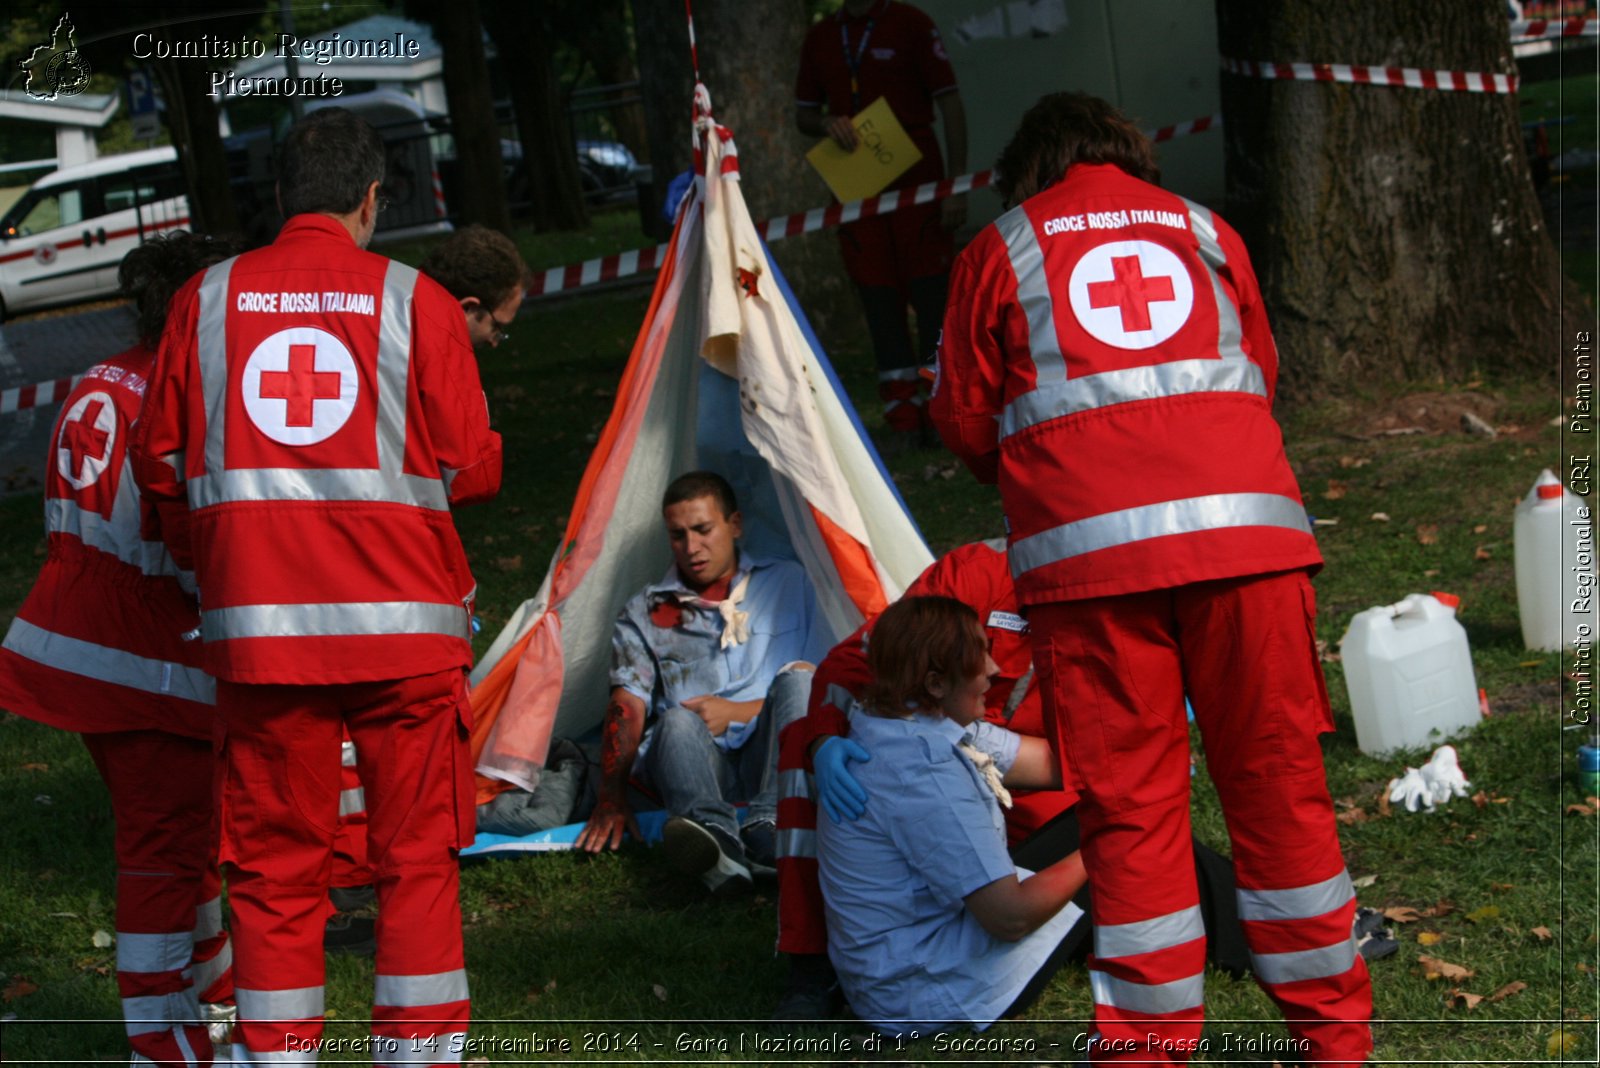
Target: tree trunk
[[548, 160], [192, 121], [749, 54], [1395, 231], [480, 183]]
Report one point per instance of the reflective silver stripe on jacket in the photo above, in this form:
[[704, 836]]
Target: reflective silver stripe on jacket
[[63, 515], [78, 657], [1157, 999], [211, 341], [244, 1055], [154, 952], [1055, 395], [347, 754], [1305, 963], [1297, 902], [1185, 516], [795, 782], [1147, 936], [394, 365], [317, 484], [334, 620], [444, 1047], [412, 991], [298, 1003]]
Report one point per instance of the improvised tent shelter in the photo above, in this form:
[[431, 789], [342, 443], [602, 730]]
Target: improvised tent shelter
[[724, 375]]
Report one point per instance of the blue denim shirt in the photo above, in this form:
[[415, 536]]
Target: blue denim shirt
[[663, 665], [908, 953]]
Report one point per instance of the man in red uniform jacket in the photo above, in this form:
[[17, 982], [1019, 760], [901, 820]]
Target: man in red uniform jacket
[[1107, 359], [100, 647], [881, 48], [319, 408]]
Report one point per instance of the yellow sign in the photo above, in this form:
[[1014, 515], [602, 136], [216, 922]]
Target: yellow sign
[[884, 154]]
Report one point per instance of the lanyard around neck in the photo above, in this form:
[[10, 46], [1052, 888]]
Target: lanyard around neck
[[854, 61]]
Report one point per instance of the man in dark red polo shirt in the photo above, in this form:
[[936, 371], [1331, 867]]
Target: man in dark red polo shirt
[[872, 49]]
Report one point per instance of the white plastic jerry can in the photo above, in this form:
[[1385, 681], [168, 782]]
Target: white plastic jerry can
[[1555, 565], [1409, 672]]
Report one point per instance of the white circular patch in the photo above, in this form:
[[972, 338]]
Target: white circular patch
[[300, 386], [1131, 294], [45, 255], [88, 433]]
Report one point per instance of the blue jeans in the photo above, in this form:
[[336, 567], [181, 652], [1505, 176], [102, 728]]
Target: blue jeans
[[699, 779]]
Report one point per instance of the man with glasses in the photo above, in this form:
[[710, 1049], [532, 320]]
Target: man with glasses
[[319, 408], [484, 271]]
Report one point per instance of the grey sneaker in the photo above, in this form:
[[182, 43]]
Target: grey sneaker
[[760, 840], [718, 859]]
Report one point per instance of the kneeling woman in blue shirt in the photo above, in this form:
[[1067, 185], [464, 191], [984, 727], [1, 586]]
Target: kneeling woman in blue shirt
[[930, 924]]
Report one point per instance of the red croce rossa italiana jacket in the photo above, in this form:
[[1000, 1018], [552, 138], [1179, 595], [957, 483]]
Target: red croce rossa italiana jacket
[[1106, 358], [319, 408]]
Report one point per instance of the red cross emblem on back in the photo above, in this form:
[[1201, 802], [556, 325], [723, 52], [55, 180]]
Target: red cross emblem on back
[[1130, 291], [301, 386], [83, 439]]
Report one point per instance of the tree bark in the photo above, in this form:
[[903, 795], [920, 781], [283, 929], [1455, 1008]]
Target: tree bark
[[749, 54], [548, 161], [480, 183], [1395, 231], [192, 122]]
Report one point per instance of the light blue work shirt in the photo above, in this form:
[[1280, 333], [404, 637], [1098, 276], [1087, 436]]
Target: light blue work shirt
[[663, 665], [908, 953]]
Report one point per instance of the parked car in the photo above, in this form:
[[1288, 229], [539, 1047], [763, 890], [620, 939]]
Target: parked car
[[608, 169], [64, 239]]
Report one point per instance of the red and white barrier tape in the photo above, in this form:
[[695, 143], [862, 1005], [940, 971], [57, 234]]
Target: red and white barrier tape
[[36, 395], [1543, 29], [1411, 77], [623, 264]]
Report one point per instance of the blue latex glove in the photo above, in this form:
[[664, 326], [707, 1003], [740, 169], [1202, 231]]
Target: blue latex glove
[[841, 797]]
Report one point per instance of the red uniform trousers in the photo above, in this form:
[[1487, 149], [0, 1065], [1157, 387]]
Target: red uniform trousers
[[281, 787], [1114, 671], [350, 867], [167, 890]]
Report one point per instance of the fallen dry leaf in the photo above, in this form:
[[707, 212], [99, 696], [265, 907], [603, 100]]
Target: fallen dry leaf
[[19, 987], [1561, 1042], [102, 940], [1363, 882], [1482, 553], [659, 991], [36, 767], [1587, 969], [1487, 912], [1380, 517], [1432, 572], [1433, 968], [1542, 934], [1335, 490], [1351, 816], [1502, 886], [1506, 991], [1480, 528], [1582, 810], [1429, 938], [1463, 998], [509, 563], [1383, 802], [1353, 461], [1402, 914], [1427, 533], [1443, 908]]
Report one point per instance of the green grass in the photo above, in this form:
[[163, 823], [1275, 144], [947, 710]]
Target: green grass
[[556, 941]]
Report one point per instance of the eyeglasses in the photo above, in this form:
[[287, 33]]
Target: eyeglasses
[[501, 330]]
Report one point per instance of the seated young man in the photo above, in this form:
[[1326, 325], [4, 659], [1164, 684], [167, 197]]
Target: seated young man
[[707, 666]]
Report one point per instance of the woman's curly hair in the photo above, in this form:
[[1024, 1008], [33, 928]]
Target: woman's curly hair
[[154, 272], [1067, 128]]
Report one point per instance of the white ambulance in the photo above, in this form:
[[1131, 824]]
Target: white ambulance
[[63, 241]]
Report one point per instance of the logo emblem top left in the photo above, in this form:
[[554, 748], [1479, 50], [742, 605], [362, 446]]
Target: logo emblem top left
[[88, 436]]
